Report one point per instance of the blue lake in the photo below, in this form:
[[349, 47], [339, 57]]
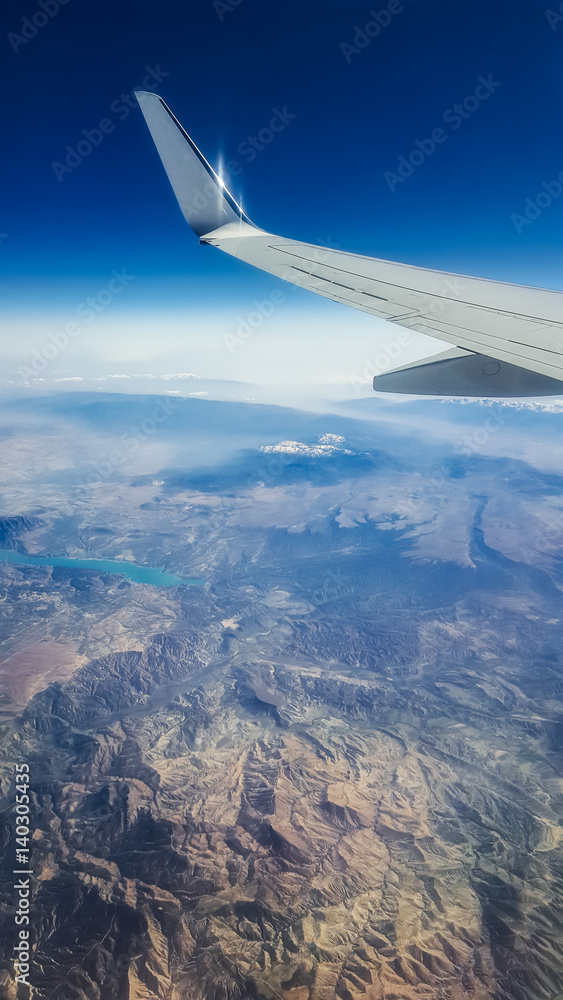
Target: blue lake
[[137, 574]]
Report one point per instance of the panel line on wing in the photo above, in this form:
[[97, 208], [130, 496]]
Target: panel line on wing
[[321, 277], [541, 320], [490, 336], [478, 346]]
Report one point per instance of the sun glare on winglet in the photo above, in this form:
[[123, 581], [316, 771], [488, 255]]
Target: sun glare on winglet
[[220, 172]]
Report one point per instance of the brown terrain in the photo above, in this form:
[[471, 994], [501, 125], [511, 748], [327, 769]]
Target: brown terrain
[[333, 771]]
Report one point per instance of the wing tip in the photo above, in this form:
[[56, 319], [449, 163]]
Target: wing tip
[[206, 202], [147, 93]]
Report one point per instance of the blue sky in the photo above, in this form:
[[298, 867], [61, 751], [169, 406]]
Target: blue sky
[[353, 106]]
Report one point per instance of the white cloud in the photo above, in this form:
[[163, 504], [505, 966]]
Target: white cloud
[[150, 375], [536, 405]]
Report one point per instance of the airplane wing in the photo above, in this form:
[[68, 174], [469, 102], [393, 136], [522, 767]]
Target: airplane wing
[[504, 340]]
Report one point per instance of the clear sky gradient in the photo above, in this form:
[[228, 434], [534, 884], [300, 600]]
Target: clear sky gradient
[[353, 100]]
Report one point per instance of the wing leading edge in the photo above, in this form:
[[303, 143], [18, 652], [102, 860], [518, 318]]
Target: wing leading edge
[[505, 340]]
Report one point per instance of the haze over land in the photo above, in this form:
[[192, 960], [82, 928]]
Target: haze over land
[[335, 768]]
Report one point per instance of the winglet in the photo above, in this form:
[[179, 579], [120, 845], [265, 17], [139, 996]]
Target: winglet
[[203, 198]]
